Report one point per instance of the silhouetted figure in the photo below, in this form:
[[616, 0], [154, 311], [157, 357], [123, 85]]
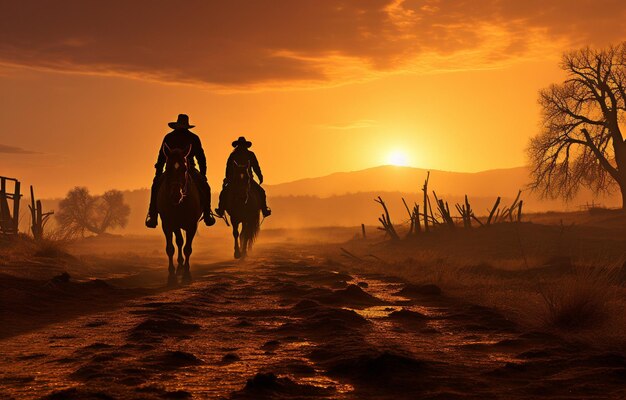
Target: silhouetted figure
[[181, 138], [243, 157]]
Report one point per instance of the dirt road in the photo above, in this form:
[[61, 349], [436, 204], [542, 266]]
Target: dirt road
[[292, 325]]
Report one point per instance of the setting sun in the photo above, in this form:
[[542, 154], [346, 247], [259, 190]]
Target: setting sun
[[398, 158]]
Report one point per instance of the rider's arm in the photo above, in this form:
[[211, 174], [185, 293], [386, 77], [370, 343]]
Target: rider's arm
[[256, 168], [160, 160], [201, 158]]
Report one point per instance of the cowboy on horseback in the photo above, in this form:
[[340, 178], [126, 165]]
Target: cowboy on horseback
[[183, 139], [241, 156]]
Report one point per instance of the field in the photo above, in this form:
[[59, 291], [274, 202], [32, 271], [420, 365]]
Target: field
[[517, 310]]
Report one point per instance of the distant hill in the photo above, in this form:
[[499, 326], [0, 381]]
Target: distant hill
[[346, 198], [389, 178]]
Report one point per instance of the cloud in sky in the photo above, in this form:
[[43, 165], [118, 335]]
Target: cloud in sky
[[4, 149], [247, 43]]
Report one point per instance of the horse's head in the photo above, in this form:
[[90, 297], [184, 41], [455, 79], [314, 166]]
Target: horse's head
[[241, 179], [177, 172], [242, 173]]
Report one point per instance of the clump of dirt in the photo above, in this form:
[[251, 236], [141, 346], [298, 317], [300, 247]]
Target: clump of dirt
[[408, 317], [317, 319], [158, 328], [61, 278], [271, 345], [78, 394], [268, 385], [418, 291], [306, 304], [300, 368], [386, 371], [230, 358], [352, 296]]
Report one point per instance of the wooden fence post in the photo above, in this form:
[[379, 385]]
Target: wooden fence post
[[385, 220], [425, 189], [37, 216]]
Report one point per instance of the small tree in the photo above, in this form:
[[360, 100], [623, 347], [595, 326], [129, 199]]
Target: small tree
[[581, 143], [113, 212], [80, 212]]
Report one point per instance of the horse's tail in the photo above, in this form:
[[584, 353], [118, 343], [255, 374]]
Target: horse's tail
[[251, 229]]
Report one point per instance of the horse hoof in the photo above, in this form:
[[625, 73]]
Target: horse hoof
[[186, 277], [237, 255], [179, 270], [172, 280]]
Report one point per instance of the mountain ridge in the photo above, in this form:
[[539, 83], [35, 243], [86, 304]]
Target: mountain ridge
[[405, 179]]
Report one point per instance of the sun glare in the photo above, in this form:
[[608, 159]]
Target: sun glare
[[398, 158]]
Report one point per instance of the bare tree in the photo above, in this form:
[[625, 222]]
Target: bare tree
[[581, 142], [80, 212], [113, 212]]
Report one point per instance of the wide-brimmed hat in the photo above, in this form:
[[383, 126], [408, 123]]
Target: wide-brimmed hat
[[242, 142], [181, 123]]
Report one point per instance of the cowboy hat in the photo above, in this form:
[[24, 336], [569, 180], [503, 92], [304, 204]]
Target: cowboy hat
[[181, 123], [242, 142]]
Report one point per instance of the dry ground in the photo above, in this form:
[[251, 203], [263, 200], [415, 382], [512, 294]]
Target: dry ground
[[452, 315]]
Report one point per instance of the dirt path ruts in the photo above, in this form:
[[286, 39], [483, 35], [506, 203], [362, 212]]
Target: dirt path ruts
[[293, 326]]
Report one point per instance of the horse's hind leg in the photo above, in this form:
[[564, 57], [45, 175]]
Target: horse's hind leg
[[191, 233], [179, 243], [169, 249], [236, 237]]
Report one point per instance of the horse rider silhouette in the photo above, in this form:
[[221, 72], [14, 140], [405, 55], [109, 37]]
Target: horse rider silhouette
[[182, 138], [241, 155]]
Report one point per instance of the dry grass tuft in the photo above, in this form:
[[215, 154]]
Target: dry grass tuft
[[49, 248], [580, 301], [23, 247]]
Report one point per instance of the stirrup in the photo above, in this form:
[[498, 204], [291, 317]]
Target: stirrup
[[266, 212], [219, 212]]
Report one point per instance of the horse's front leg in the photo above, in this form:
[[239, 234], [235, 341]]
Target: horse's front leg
[[236, 237], [190, 234], [169, 249], [244, 240], [179, 243]]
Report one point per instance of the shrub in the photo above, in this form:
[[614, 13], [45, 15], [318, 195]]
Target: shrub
[[578, 301]]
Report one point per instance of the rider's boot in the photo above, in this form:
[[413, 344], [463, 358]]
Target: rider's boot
[[263, 197], [209, 220], [264, 208], [205, 194], [219, 211], [152, 219]]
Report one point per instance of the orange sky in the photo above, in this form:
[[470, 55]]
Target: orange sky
[[318, 86]]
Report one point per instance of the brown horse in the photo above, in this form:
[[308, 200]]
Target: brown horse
[[244, 208], [178, 204]]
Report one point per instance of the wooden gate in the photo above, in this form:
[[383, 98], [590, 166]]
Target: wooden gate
[[9, 205]]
